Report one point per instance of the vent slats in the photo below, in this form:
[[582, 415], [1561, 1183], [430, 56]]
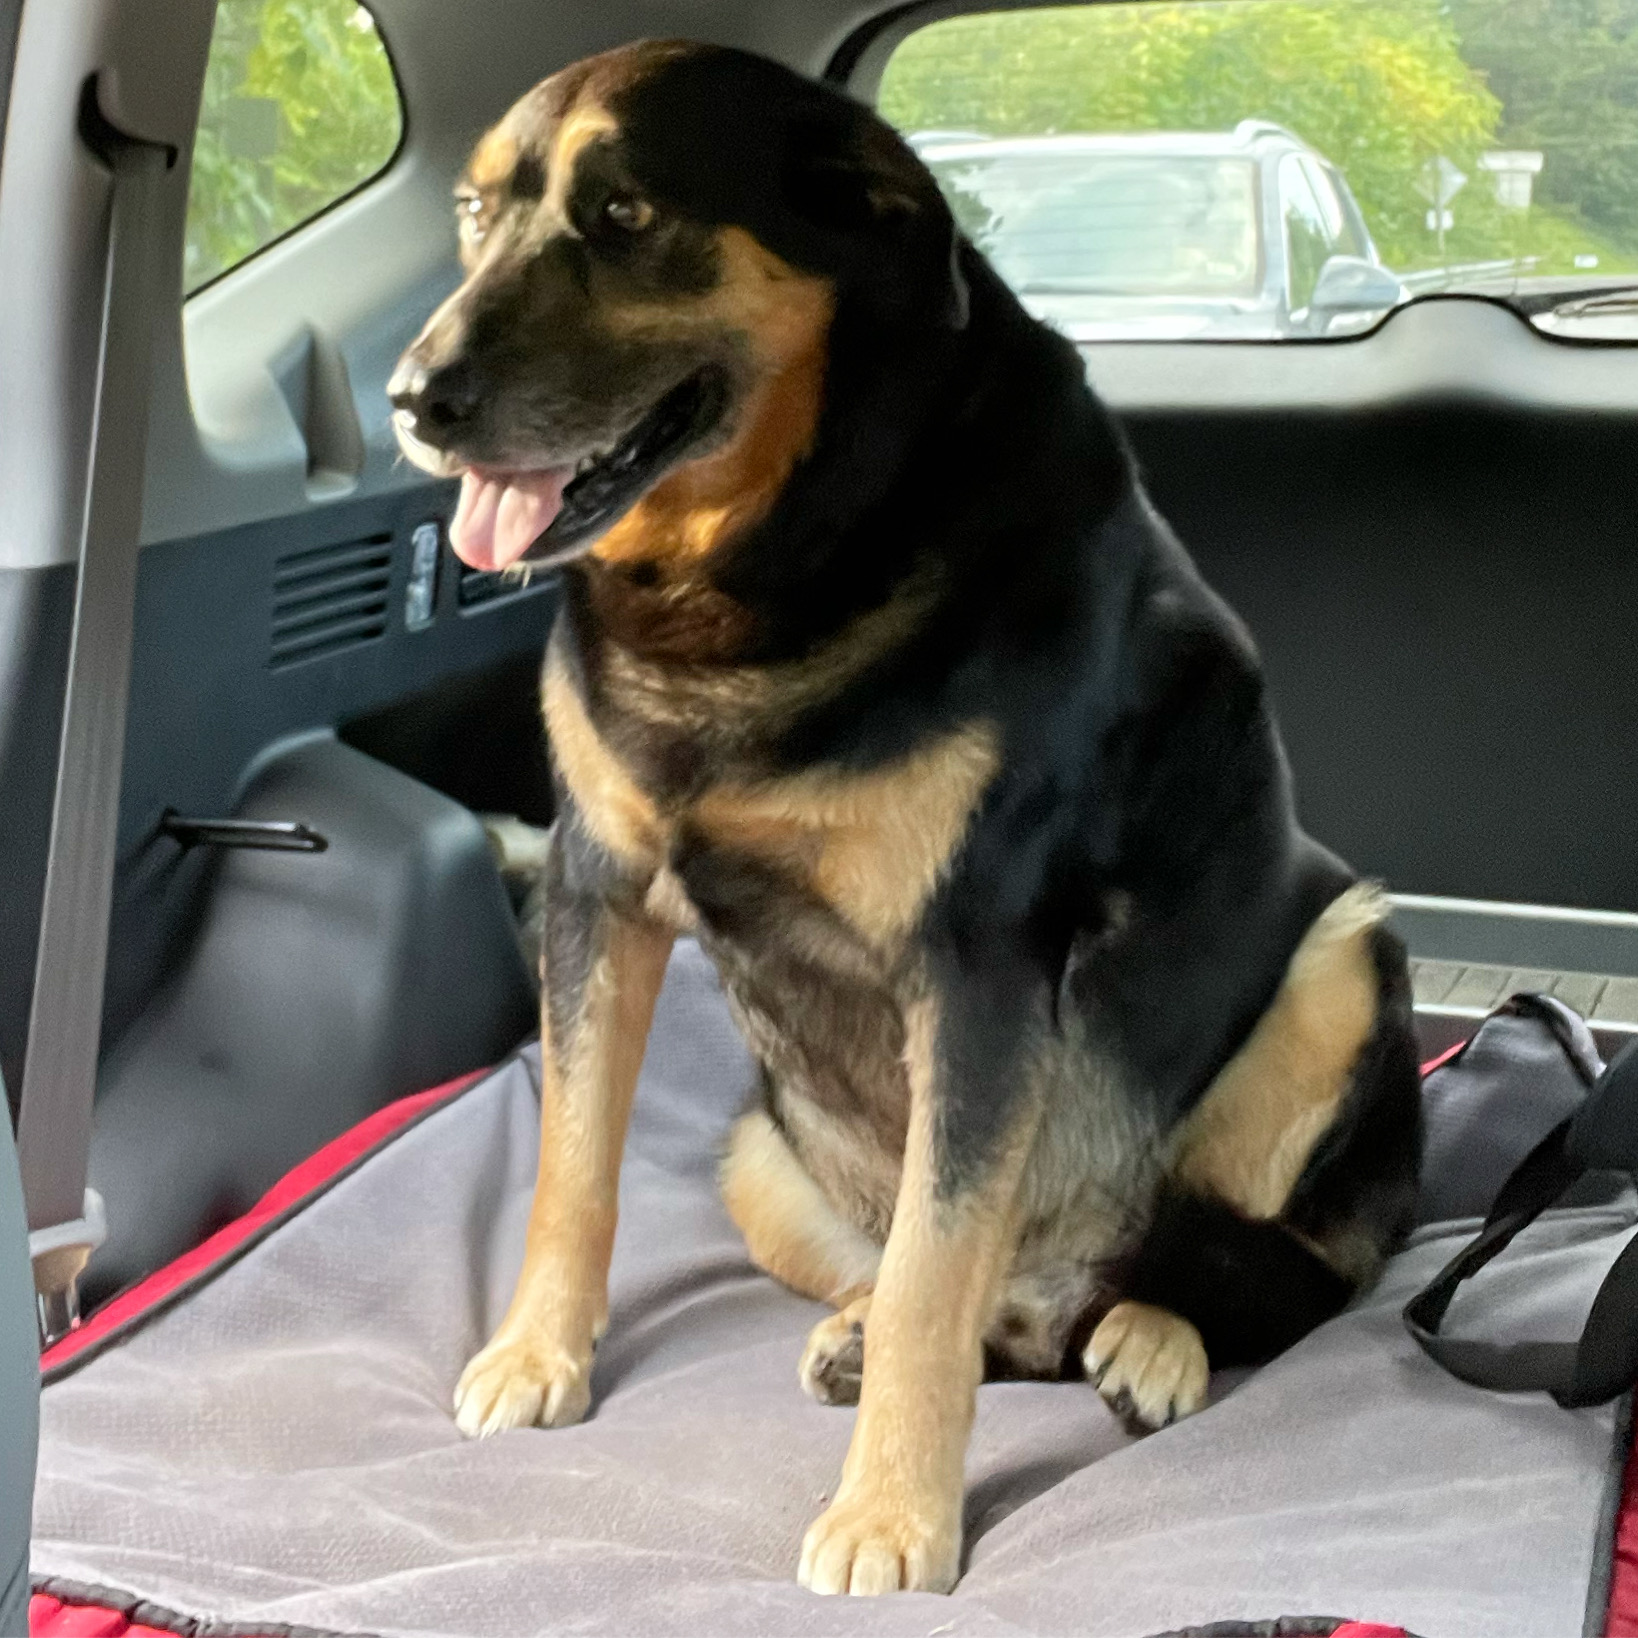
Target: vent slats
[[329, 599], [479, 586]]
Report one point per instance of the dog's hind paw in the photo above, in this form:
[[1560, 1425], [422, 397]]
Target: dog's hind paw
[[520, 1384], [832, 1368], [1149, 1364]]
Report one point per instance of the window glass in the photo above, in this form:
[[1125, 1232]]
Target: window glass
[[1058, 221], [1308, 242], [300, 108], [1330, 207], [1351, 234], [1121, 163]]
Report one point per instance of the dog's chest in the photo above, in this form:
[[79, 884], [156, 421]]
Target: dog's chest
[[867, 846]]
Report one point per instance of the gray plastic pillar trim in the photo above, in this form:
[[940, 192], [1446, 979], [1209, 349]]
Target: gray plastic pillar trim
[[59, 1079]]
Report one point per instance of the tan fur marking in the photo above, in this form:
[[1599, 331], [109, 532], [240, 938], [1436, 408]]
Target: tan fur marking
[[792, 1231], [705, 503], [758, 699], [493, 160], [864, 1174], [896, 1519], [537, 1367], [581, 126], [872, 845], [668, 903], [1149, 1360], [1252, 1134], [614, 807]]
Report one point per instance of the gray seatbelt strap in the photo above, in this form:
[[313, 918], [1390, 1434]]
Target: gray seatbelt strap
[[65, 1218]]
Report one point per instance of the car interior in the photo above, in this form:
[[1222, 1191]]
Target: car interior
[[316, 904]]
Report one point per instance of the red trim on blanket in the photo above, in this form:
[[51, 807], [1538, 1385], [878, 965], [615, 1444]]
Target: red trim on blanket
[[1367, 1629], [50, 1617], [1427, 1069], [291, 1189], [1621, 1614]]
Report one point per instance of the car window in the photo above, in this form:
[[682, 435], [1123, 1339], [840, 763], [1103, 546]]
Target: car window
[[1355, 237], [1308, 241], [1338, 228], [1057, 222], [300, 109], [1470, 145]]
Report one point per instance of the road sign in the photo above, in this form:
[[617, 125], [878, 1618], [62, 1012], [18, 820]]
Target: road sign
[[1514, 169], [1439, 182]]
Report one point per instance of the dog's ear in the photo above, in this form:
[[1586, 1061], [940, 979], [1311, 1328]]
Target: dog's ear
[[859, 183]]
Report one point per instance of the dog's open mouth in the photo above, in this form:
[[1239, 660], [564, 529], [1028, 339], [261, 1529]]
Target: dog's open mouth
[[550, 515]]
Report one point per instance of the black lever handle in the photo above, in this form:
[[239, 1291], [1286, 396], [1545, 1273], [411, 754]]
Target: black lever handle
[[271, 835]]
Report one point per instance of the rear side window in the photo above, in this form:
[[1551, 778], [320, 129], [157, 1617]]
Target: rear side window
[[300, 109], [1186, 168]]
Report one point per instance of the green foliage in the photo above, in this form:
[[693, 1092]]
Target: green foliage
[[1566, 72], [1377, 86], [300, 107]]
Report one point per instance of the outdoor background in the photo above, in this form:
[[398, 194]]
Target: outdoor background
[[301, 107], [1379, 87]]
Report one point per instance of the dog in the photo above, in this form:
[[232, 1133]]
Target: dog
[[876, 670]]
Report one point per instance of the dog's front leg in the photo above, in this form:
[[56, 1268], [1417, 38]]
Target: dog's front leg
[[602, 972], [896, 1519]]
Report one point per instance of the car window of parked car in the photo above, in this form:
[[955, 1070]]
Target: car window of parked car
[[1057, 221], [300, 109], [1484, 146], [1309, 242]]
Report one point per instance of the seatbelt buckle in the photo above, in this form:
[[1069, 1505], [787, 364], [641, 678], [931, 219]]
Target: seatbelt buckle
[[59, 1255]]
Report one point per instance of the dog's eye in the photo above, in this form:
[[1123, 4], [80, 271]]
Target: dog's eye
[[628, 212], [469, 209]]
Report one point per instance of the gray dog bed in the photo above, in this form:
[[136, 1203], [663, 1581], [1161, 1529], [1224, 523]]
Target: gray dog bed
[[265, 1442]]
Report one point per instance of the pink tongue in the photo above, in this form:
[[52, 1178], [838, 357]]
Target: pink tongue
[[499, 519]]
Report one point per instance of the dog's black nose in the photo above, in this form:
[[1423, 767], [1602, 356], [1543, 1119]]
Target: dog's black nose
[[440, 400]]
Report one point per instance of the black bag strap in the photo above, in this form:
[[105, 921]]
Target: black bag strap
[[1602, 1135]]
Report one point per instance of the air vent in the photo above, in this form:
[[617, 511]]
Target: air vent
[[329, 599], [480, 586]]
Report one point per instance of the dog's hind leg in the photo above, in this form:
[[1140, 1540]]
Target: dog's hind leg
[[794, 1233], [1291, 1181], [832, 1365]]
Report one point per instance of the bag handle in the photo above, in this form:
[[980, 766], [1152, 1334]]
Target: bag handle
[[1602, 1135]]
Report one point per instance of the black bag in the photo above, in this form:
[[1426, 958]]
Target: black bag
[[1594, 1135]]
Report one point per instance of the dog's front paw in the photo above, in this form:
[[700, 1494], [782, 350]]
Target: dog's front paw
[[874, 1543], [1149, 1364], [832, 1368], [522, 1383]]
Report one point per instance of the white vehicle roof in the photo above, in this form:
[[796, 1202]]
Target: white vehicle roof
[[1185, 143]]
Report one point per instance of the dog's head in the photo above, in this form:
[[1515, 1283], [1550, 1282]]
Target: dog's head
[[657, 242]]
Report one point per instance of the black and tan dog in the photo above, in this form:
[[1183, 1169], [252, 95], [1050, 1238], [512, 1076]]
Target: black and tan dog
[[876, 670]]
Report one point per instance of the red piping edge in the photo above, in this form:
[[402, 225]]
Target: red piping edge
[[1621, 1613], [291, 1189], [50, 1617], [1443, 1058]]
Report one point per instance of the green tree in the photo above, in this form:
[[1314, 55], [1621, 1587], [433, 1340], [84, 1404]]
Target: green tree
[[299, 108], [1566, 74]]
